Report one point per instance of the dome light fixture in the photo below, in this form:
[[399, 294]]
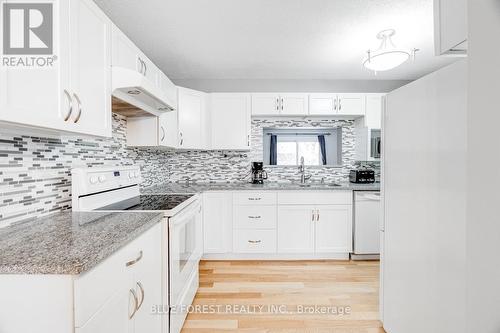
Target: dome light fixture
[[387, 56]]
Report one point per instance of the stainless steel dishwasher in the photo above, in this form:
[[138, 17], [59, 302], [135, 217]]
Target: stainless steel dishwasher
[[367, 214]]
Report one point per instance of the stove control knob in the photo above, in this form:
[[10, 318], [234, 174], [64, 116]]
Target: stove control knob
[[102, 179], [93, 180]]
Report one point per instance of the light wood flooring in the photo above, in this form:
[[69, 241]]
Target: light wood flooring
[[264, 297]]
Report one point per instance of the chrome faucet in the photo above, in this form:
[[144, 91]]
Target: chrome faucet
[[302, 170]]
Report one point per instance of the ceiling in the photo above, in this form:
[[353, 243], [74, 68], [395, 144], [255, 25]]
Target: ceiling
[[276, 39]]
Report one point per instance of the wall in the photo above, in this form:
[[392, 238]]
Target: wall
[[483, 221], [35, 175]]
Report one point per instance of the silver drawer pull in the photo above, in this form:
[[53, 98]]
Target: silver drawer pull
[[254, 199], [255, 241], [142, 294], [254, 217], [135, 261], [134, 295]]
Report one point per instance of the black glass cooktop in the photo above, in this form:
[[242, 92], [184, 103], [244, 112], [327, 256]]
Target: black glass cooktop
[[149, 202]]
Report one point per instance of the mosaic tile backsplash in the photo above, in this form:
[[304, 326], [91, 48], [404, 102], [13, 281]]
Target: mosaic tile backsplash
[[35, 177]]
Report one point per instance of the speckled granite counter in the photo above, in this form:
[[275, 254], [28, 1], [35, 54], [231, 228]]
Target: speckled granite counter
[[180, 188], [69, 243]]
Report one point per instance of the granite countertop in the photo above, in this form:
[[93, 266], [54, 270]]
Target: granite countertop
[[69, 243], [180, 188]]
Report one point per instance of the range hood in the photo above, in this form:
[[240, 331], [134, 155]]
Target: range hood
[[144, 97]]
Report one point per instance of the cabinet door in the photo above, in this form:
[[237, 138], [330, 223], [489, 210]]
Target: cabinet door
[[334, 229], [373, 117], [112, 317], [150, 71], [323, 104], [217, 222], [147, 282], [450, 26], [40, 97], [169, 88], [124, 52], [294, 104], [351, 104], [90, 68], [191, 106], [230, 118], [296, 229], [169, 129], [265, 104]]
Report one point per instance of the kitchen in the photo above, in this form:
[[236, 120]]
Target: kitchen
[[253, 191]]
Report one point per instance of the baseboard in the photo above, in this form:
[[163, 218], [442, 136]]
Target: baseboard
[[275, 256]]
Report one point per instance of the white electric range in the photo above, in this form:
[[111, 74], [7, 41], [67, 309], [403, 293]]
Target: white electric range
[[118, 189]]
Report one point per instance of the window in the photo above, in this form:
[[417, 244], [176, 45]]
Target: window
[[291, 148], [318, 146]]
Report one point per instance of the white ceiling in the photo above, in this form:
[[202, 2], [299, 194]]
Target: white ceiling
[[275, 39]]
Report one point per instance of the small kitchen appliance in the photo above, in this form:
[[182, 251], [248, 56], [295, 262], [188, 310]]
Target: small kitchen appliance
[[258, 173], [362, 176]]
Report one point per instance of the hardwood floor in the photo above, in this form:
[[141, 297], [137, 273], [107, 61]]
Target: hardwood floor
[[270, 296]]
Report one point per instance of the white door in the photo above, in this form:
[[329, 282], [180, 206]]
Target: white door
[[40, 97], [230, 118], [217, 222], [124, 52], [373, 117], [191, 108], [294, 104], [113, 316], [90, 68], [265, 104], [322, 104], [168, 129], [334, 229], [351, 104], [296, 229], [147, 282]]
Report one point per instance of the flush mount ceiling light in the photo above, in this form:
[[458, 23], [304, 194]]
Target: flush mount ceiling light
[[387, 56]]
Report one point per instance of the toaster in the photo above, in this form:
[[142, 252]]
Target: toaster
[[362, 176]]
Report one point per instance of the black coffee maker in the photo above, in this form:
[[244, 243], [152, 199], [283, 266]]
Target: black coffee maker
[[258, 173]]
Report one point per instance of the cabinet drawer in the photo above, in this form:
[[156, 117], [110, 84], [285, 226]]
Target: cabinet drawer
[[94, 288], [255, 241], [255, 198], [255, 217], [315, 198]]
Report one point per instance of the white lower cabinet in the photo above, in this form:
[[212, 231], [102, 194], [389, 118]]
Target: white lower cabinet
[[217, 222], [333, 229], [295, 229]]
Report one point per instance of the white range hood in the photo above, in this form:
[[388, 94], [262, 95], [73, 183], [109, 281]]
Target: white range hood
[[135, 89]]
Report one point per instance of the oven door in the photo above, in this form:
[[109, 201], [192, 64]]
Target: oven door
[[185, 245]]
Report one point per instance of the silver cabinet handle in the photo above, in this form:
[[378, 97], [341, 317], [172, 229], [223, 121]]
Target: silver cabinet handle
[[182, 140], [312, 215], [141, 64], [282, 102], [163, 133], [277, 104], [254, 217], [142, 294], [145, 68], [248, 140], [70, 108], [335, 104], [340, 104], [317, 215], [135, 261], [79, 108], [134, 295], [255, 241]]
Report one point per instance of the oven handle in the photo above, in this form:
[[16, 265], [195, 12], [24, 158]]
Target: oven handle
[[180, 219]]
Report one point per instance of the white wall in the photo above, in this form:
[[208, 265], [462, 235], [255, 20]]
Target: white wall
[[483, 203], [368, 86]]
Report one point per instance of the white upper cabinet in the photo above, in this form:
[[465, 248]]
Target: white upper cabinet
[[125, 54], [373, 117], [323, 104], [337, 104], [450, 27], [230, 119], [269, 104], [265, 104], [193, 119], [74, 94], [351, 104], [294, 104], [90, 68]]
